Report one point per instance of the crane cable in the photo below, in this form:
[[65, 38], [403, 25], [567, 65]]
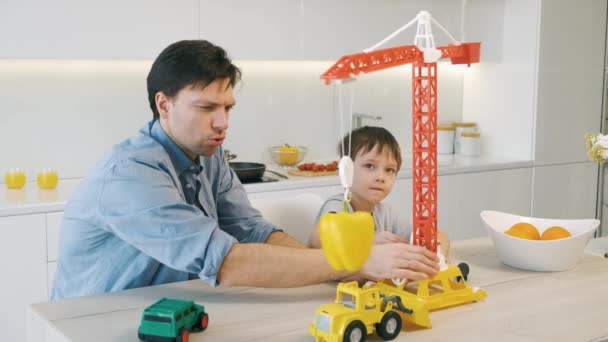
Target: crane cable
[[346, 167]]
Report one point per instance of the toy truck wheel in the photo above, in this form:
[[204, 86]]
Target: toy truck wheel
[[202, 322], [390, 326], [355, 332], [464, 269], [183, 336]]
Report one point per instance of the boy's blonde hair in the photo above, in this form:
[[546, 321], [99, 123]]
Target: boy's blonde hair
[[366, 138]]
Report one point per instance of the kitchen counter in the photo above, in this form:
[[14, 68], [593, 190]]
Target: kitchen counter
[[521, 306], [30, 199]]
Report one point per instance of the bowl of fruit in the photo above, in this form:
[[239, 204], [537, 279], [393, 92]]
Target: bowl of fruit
[[538, 244], [287, 155]]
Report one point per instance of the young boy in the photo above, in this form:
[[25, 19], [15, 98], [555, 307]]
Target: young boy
[[377, 159]]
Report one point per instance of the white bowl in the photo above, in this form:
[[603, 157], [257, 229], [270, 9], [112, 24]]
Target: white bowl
[[287, 158], [538, 255]]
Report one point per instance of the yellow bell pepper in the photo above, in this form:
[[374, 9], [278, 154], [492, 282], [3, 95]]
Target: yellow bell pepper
[[347, 239], [289, 155]]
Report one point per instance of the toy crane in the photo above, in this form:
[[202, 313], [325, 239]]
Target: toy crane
[[384, 306], [423, 56]]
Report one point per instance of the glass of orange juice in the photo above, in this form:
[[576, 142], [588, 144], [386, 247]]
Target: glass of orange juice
[[15, 179], [47, 179]]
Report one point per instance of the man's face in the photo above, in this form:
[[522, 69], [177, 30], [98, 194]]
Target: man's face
[[374, 175], [196, 118]]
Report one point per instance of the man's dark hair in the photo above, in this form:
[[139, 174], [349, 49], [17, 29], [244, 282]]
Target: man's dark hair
[[188, 63], [366, 138]]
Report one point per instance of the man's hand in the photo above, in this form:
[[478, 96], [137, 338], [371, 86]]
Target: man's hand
[[400, 260], [387, 237]]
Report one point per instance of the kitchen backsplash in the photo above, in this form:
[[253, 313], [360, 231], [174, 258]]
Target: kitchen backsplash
[[65, 114]]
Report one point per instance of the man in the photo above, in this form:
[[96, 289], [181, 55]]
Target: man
[[163, 206]]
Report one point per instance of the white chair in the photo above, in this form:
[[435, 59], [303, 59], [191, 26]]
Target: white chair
[[294, 215]]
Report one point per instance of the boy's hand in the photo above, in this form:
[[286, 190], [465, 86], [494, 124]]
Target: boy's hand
[[387, 237], [400, 260]]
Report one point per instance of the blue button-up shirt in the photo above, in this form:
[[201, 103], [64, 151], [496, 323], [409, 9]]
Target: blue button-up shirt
[[149, 215]]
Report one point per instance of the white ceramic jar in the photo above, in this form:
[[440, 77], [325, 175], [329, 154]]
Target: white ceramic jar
[[445, 139], [470, 144], [461, 127]]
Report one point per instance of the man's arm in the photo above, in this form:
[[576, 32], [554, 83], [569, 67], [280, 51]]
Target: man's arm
[[266, 265], [279, 238], [444, 241]]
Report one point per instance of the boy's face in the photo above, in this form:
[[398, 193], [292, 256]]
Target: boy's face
[[375, 173], [196, 118]]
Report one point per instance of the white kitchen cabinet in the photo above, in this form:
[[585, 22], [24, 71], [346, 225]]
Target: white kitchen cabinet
[[314, 29], [570, 79], [461, 197], [52, 234], [53, 221], [331, 29], [604, 219], [567, 191], [50, 275], [24, 274], [114, 29], [258, 30], [401, 196]]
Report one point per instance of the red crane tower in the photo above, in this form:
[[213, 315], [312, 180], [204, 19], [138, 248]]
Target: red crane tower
[[423, 56]]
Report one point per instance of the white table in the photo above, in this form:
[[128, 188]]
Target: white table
[[521, 306]]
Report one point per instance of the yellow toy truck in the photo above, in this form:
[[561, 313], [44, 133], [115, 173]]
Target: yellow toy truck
[[356, 312], [447, 288], [383, 307]]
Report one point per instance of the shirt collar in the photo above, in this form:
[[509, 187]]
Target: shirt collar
[[180, 160]]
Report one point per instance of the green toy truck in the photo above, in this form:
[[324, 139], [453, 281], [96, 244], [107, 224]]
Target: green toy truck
[[172, 320]]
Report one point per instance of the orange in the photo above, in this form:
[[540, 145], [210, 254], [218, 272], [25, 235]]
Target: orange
[[555, 233], [524, 230]]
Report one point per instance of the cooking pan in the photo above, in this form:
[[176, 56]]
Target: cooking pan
[[251, 171]]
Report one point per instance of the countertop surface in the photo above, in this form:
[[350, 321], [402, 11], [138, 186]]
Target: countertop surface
[[521, 306], [31, 200]]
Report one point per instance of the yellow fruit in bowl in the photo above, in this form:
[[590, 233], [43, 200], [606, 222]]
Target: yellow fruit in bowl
[[555, 233], [524, 230], [289, 155]]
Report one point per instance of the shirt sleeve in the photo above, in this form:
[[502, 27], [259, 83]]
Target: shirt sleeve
[[235, 213], [141, 204]]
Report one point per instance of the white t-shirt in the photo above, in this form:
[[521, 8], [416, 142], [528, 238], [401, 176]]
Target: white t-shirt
[[386, 218]]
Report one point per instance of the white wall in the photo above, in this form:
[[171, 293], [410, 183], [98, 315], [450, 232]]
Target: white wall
[[286, 102], [64, 113], [500, 92]]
